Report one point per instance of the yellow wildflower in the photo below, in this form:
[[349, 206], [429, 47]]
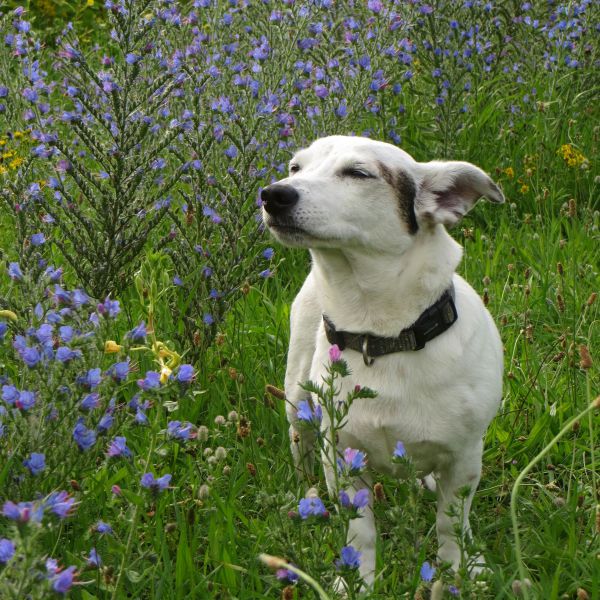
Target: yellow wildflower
[[2, 142], [8, 314], [89, 3], [8, 154], [524, 188], [17, 162], [165, 373], [3, 170], [509, 172], [17, 135], [111, 347], [571, 156]]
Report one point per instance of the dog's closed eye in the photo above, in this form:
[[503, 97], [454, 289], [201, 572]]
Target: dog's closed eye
[[294, 168], [357, 173]]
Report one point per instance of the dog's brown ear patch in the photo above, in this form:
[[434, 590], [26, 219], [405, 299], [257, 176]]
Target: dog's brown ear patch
[[406, 191], [448, 190]]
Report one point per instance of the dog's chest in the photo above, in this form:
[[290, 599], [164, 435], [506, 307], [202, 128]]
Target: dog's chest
[[417, 403]]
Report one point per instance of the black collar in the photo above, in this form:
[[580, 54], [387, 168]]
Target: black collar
[[432, 322]]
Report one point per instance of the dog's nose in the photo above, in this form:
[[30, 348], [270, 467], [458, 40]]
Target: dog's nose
[[279, 198]]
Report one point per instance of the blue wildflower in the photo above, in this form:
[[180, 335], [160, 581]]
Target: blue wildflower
[[180, 431], [31, 356], [399, 450], [37, 239], [185, 374], [25, 400], [312, 507], [60, 503], [36, 463], [102, 528], [150, 382], [91, 379], [85, 438], [427, 571], [138, 334], [349, 558], [307, 414], [10, 394], [14, 271], [353, 462], [63, 581], [105, 422], [155, 485], [119, 371], [118, 447], [64, 354], [109, 308], [286, 575], [93, 559], [7, 550], [90, 401]]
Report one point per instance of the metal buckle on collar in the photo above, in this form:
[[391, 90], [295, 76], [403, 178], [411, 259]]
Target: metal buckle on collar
[[409, 340], [369, 360]]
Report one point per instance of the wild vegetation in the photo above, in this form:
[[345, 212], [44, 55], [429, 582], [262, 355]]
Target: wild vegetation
[[144, 310]]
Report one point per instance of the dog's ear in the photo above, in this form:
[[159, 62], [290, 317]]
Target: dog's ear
[[448, 190]]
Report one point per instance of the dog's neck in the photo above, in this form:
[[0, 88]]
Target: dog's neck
[[384, 293]]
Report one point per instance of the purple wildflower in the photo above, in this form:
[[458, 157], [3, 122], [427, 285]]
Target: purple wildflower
[[286, 575], [94, 560], [427, 571], [119, 371], [25, 400], [91, 379], [155, 485], [31, 356], [64, 354], [349, 558], [60, 503], [63, 581], [360, 500], [150, 382], [399, 450], [37, 239], [118, 447], [312, 507], [10, 394], [185, 374], [36, 463], [353, 462], [22, 512], [138, 334], [180, 431], [90, 401], [335, 354], [307, 414], [84, 437], [109, 308], [102, 528], [7, 550]]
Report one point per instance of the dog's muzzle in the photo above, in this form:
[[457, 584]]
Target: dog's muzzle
[[279, 199]]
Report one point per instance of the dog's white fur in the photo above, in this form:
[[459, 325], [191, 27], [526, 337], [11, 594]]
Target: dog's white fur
[[370, 273]]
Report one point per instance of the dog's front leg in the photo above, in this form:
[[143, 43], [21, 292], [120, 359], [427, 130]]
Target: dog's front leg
[[362, 534], [454, 503]]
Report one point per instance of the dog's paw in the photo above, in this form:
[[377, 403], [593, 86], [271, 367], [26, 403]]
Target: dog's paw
[[477, 566], [429, 483], [340, 587]]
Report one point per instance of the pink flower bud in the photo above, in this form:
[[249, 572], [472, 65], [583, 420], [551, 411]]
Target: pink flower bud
[[335, 353]]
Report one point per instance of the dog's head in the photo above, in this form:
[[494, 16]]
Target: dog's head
[[345, 192]]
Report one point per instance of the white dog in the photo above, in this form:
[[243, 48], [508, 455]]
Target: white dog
[[383, 286]]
